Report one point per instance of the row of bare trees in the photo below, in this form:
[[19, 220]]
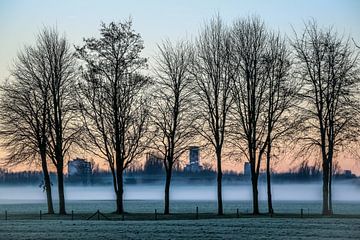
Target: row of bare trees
[[38, 108], [246, 94], [240, 89]]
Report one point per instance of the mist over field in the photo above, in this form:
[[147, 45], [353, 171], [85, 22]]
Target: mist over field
[[342, 191]]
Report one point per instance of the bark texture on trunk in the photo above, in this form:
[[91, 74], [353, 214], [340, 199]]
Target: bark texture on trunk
[[255, 194], [219, 183], [325, 210], [268, 182], [60, 176], [330, 188], [120, 193], [167, 192], [47, 183], [119, 201]]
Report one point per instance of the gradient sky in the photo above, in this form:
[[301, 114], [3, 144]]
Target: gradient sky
[[155, 20], [21, 20]]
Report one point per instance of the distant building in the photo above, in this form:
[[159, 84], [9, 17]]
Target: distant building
[[194, 160], [347, 173], [153, 164], [79, 170], [247, 169]]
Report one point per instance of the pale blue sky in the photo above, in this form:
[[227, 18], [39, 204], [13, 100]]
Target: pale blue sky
[[20, 20]]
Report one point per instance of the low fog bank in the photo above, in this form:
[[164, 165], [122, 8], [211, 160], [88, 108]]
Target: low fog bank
[[342, 191]]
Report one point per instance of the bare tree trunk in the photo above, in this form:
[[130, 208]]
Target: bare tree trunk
[[60, 176], [219, 183], [325, 210], [254, 179], [47, 183], [167, 192], [268, 180], [255, 194], [330, 186], [120, 194], [119, 201]]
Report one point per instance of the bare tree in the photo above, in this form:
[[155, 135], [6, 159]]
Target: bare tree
[[249, 40], [62, 110], [281, 93], [23, 113], [46, 72], [213, 77], [172, 115], [329, 70], [114, 105]]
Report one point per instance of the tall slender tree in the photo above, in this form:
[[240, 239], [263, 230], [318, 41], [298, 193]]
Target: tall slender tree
[[23, 114], [114, 107], [249, 56], [329, 68], [281, 94], [64, 126], [172, 116], [213, 77]]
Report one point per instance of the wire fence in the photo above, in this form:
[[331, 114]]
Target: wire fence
[[156, 215]]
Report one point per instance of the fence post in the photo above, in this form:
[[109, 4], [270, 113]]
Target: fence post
[[197, 212], [98, 214], [237, 213], [72, 214], [302, 213], [155, 214], [40, 215], [6, 217]]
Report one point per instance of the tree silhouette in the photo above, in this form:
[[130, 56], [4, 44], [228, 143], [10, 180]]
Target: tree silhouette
[[65, 129], [250, 39], [212, 73], [282, 117], [42, 106], [114, 107], [328, 67], [23, 113], [172, 114]]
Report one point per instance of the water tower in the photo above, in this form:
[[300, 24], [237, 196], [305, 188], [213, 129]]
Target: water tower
[[194, 160]]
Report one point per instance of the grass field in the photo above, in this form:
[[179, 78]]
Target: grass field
[[23, 221], [242, 228]]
